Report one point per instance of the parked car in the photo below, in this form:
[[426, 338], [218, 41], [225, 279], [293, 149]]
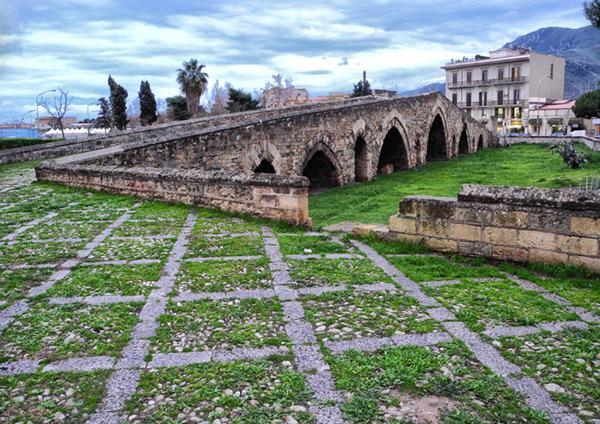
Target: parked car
[[577, 133]]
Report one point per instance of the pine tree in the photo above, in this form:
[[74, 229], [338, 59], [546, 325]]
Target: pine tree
[[592, 12], [177, 108], [240, 101], [147, 104], [360, 90], [104, 118], [118, 104]]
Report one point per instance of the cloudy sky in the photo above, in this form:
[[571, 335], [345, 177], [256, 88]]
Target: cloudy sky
[[322, 45]]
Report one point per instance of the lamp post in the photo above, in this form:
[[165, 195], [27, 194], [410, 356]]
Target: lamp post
[[37, 103], [24, 115], [538, 108]]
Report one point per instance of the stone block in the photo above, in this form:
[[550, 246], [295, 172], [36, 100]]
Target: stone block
[[407, 207], [577, 245], [441, 244], [511, 219], [547, 256], [465, 232], [502, 236], [473, 215], [586, 261], [506, 253], [537, 240], [400, 224], [585, 226], [433, 228], [474, 249]]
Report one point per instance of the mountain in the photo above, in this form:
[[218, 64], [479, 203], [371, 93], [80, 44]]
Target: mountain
[[579, 47], [436, 86]]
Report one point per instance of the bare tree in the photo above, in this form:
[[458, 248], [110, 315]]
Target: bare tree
[[218, 98], [58, 108]]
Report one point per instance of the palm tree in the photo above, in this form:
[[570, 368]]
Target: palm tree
[[192, 82]]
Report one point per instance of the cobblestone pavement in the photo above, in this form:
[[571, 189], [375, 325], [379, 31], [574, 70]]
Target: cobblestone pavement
[[113, 310]]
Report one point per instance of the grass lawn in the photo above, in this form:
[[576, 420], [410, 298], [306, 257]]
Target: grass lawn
[[375, 201]]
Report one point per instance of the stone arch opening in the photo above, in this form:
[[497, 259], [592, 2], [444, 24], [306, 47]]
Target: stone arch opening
[[436, 142], [265, 167], [480, 142], [321, 172], [463, 142], [393, 155], [361, 160]]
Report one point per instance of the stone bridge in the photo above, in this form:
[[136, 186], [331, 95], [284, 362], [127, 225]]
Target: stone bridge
[[266, 162]]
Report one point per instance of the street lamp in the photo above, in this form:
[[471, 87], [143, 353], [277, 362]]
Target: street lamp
[[23, 117], [37, 103], [539, 97]]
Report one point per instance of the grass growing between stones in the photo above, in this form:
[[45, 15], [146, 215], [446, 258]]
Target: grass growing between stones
[[576, 284], [566, 363], [429, 268], [107, 280], [240, 392], [318, 272], [224, 225], [52, 332], [348, 315], [148, 228], [299, 244], [38, 253], [225, 246], [14, 284], [218, 276], [50, 397], [133, 249], [375, 201], [156, 211], [498, 303], [203, 325], [378, 387]]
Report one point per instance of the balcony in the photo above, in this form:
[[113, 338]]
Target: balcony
[[493, 103], [488, 82]]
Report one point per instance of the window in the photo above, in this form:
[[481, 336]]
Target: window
[[515, 73], [454, 78], [552, 71], [501, 74], [517, 96], [516, 112], [500, 97], [499, 112], [484, 75], [483, 98], [468, 99], [454, 98], [483, 113], [469, 76]]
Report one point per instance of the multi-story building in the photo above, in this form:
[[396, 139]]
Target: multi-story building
[[501, 89]]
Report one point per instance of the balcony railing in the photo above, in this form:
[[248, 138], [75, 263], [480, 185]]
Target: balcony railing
[[487, 82], [494, 103]]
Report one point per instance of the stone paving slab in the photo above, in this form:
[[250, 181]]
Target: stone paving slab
[[236, 294], [91, 363], [363, 344], [96, 300], [24, 227], [224, 258], [501, 331], [19, 367]]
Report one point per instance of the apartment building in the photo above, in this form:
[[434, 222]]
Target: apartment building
[[503, 88]]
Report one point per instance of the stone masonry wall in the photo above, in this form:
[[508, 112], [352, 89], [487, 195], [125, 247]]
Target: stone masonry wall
[[289, 139], [269, 196], [517, 224], [593, 144]]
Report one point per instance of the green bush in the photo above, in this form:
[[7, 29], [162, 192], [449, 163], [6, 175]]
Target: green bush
[[10, 143]]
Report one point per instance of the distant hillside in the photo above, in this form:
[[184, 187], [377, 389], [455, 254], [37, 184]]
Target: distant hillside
[[579, 47], [436, 86]]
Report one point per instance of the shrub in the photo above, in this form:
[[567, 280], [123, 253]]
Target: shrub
[[569, 153]]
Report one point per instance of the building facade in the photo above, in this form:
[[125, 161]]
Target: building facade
[[501, 90]]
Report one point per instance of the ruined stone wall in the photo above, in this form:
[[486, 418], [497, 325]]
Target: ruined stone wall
[[517, 224], [288, 140], [534, 139], [269, 196]]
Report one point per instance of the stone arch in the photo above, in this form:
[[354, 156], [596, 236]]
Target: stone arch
[[480, 142], [265, 167], [394, 153], [321, 167], [437, 139], [463, 142], [361, 160], [263, 151]]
